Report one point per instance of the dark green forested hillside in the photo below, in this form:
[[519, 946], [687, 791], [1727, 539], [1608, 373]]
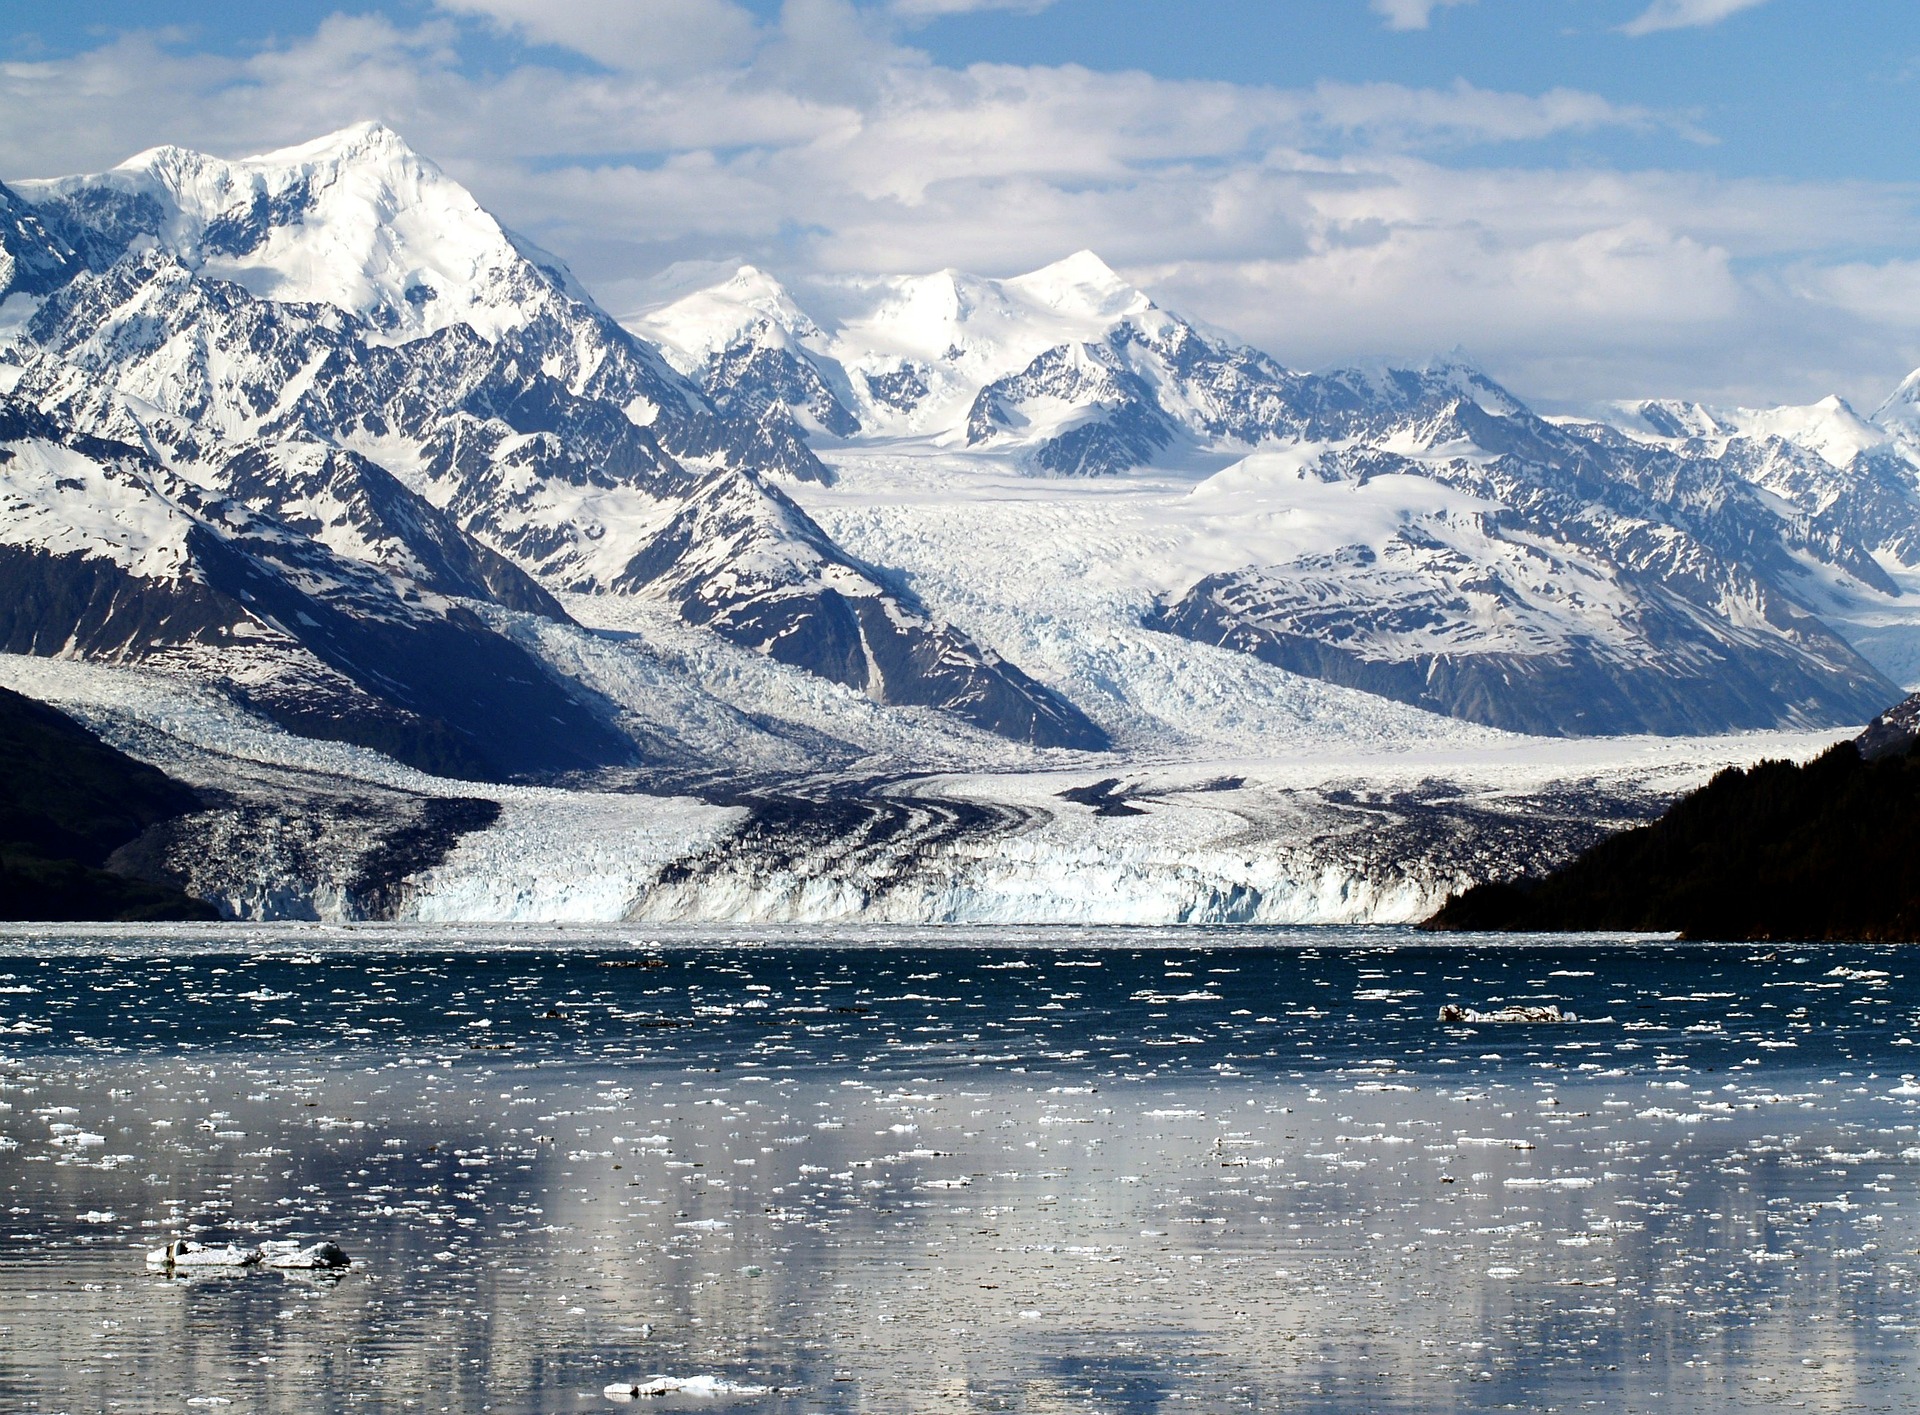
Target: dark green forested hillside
[[67, 802], [1825, 850]]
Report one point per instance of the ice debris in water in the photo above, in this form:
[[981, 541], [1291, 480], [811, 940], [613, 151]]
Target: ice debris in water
[[275, 1253], [679, 1385], [1454, 1012]]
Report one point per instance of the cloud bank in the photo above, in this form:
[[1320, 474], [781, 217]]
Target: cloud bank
[[1325, 223]]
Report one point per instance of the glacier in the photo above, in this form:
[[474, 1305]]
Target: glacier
[[988, 599]]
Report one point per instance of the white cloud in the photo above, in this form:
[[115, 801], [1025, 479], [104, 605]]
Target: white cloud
[[1685, 14], [934, 9], [1411, 14], [634, 35], [1326, 223]]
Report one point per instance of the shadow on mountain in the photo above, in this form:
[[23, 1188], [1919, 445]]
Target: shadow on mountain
[[67, 802]]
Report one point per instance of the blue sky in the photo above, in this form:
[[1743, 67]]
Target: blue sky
[[1594, 198]]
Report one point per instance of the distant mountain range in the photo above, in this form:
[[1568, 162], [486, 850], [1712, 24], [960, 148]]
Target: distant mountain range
[[314, 428]]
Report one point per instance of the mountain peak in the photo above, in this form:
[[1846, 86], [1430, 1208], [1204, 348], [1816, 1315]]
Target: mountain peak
[[357, 141], [355, 218], [1904, 404], [371, 136], [1083, 286], [694, 327]]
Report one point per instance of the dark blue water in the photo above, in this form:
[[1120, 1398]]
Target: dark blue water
[[1099, 1170]]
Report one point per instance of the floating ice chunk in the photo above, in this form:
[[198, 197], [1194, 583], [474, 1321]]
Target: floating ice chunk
[[1453, 1012], [79, 1140], [1907, 1087], [1571, 1182], [706, 1225], [679, 1385], [291, 1253], [1503, 1272], [184, 1253]]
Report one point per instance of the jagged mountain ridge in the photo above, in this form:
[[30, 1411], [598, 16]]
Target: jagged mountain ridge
[[1672, 551], [232, 301], [339, 338], [107, 554]]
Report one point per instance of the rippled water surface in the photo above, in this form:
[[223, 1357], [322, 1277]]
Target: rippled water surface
[[1072, 1170]]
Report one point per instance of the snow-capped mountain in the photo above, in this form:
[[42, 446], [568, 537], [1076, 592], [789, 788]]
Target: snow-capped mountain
[[1039, 507], [347, 295], [1652, 573], [107, 554]]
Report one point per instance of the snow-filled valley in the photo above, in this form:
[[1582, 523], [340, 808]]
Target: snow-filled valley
[[989, 600]]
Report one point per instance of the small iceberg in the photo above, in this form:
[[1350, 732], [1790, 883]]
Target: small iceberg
[[185, 1253], [285, 1253], [1453, 1012], [678, 1385], [291, 1253]]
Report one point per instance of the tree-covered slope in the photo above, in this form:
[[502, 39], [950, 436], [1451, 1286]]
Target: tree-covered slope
[[67, 802], [1824, 850]]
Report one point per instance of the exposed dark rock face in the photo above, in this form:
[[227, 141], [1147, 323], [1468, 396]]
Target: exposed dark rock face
[[753, 376], [1823, 850], [316, 490], [1119, 425], [1893, 732], [33, 260]]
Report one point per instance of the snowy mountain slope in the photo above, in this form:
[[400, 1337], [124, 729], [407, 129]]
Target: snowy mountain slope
[[254, 303], [789, 592], [747, 342], [1704, 535], [1848, 475], [1069, 368], [337, 340], [1850, 488], [1900, 416], [1396, 565], [106, 553], [359, 223], [355, 219]]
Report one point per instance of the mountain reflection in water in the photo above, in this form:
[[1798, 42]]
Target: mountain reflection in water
[[1115, 1170]]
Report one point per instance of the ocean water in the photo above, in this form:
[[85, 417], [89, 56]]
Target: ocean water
[[1087, 1170]]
